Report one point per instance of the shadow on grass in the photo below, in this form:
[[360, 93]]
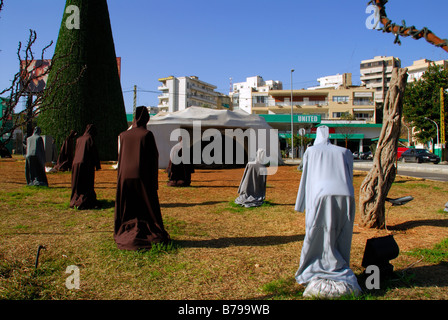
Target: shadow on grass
[[177, 204], [106, 204], [424, 276], [212, 186], [240, 241], [418, 223]]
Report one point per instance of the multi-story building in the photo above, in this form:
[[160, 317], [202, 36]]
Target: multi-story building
[[252, 93], [183, 92], [328, 103], [376, 74], [419, 67], [335, 81]]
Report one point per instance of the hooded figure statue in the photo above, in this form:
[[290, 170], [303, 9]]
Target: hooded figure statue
[[326, 194], [138, 219], [65, 158], [35, 160], [252, 189], [85, 162], [179, 174]]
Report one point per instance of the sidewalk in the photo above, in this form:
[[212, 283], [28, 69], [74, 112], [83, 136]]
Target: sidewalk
[[417, 167], [367, 164]]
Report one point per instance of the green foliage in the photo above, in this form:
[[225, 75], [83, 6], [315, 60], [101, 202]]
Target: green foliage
[[97, 96], [422, 99], [299, 140]]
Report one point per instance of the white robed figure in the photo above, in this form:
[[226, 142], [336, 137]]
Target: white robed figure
[[252, 189], [326, 195]]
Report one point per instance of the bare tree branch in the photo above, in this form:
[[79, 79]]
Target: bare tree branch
[[405, 31], [20, 85]]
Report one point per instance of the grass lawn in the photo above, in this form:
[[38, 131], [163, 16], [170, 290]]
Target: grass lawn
[[219, 251]]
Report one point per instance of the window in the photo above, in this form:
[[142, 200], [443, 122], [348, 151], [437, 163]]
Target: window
[[340, 98], [359, 115], [371, 64], [363, 101], [339, 114], [260, 99]]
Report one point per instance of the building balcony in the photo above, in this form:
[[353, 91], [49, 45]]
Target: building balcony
[[363, 103], [317, 104], [371, 76], [372, 70], [205, 99], [204, 89], [164, 96]]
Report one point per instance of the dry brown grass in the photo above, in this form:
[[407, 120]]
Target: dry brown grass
[[221, 251]]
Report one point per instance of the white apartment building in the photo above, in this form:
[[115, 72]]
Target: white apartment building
[[419, 67], [183, 92], [253, 92], [334, 82], [376, 74]]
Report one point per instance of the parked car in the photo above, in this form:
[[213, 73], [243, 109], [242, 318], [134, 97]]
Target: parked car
[[366, 155], [419, 156], [400, 151]]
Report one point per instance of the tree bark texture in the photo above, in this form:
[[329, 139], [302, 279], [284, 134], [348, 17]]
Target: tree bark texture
[[376, 185]]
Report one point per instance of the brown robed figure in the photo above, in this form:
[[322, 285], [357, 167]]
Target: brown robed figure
[[85, 162], [65, 158], [179, 175], [138, 219]]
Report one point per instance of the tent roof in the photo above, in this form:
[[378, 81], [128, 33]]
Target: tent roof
[[210, 118]]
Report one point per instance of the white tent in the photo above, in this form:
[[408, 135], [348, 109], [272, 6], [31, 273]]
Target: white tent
[[197, 121]]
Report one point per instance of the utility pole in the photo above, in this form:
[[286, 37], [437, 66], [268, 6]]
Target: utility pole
[[442, 124], [292, 121], [442, 117], [135, 98]]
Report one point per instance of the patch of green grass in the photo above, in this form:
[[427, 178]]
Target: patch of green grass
[[21, 227], [175, 227], [41, 197], [20, 280], [437, 254], [109, 249], [413, 185], [236, 208], [157, 263], [282, 289]]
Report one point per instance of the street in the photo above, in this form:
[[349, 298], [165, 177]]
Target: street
[[429, 171]]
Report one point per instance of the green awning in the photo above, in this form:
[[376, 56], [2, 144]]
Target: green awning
[[337, 136], [355, 125], [401, 140], [340, 136], [286, 118], [130, 116]]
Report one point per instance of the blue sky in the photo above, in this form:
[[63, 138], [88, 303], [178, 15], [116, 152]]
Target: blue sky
[[219, 40]]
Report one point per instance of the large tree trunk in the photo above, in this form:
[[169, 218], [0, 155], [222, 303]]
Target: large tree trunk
[[376, 185]]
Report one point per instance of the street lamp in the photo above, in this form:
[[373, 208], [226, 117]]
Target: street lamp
[[292, 123], [437, 127]]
